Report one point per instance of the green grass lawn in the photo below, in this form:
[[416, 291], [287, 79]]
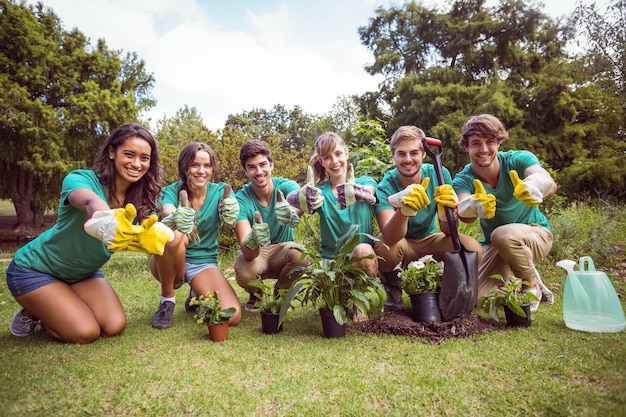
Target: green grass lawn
[[544, 370]]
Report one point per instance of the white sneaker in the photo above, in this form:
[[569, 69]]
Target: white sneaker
[[22, 326], [546, 295], [534, 304]]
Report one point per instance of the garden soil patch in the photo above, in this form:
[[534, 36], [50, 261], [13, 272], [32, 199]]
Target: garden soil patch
[[400, 323]]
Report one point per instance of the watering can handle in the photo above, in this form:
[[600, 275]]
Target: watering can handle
[[586, 260]]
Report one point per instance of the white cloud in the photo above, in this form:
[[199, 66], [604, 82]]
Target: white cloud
[[227, 57]]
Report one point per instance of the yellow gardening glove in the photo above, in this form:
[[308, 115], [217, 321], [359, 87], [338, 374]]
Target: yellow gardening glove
[[445, 197], [153, 238], [309, 198], [532, 189], [412, 199], [114, 227], [350, 193], [480, 204]]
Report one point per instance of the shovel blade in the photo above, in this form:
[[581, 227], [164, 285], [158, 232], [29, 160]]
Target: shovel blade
[[459, 284]]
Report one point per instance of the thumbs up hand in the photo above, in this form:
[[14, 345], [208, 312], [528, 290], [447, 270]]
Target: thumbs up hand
[[183, 218], [228, 207], [285, 214], [309, 198], [532, 189], [350, 193], [412, 199], [480, 204], [259, 235]]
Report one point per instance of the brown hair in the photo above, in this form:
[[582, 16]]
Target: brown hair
[[142, 194], [324, 145], [406, 133], [484, 125], [188, 155], [253, 148]]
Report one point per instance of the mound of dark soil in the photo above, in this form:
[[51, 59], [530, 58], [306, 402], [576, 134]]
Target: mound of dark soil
[[400, 323]]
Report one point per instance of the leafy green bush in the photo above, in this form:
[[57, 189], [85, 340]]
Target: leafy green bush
[[584, 229]]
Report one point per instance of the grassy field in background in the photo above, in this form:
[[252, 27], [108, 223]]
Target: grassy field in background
[[7, 208], [544, 370]]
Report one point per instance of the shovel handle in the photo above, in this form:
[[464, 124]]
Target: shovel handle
[[436, 157]]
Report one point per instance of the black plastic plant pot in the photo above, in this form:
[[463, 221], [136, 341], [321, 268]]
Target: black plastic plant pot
[[515, 320], [269, 323], [425, 307], [331, 328]]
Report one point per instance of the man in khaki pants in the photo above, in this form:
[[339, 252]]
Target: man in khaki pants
[[266, 247], [504, 190]]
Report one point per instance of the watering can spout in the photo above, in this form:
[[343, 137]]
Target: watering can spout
[[566, 264]]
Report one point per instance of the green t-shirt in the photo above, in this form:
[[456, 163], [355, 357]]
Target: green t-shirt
[[249, 203], [65, 250], [508, 208], [424, 223], [207, 221], [334, 222]]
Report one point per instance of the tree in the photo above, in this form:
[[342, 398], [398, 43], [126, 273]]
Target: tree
[[509, 60], [61, 98], [606, 39]]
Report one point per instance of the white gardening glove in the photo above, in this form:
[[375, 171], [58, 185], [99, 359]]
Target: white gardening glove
[[309, 198], [286, 215], [350, 193], [114, 227], [480, 204], [445, 197], [532, 189], [412, 199], [259, 235], [228, 207]]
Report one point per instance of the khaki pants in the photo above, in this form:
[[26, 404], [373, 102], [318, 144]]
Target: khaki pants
[[407, 250], [514, 248], [274, 261]]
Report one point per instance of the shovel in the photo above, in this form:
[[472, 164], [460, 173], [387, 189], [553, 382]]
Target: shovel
[[459, 284]]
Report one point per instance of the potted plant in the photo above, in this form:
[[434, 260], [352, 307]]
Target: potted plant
[[510, 296], [421, 280], [269, 303], [210, 312], [335, 285]]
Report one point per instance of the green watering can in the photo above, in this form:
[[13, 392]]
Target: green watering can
[[590, 303]]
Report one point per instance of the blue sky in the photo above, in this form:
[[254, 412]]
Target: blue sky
[[225, 57]]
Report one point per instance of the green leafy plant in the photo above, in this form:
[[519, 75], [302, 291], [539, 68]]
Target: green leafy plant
[[509, 294], [271, 298], [209, 309], [423, 275], [335, 283]]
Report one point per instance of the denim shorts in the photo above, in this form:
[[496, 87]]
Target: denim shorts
[[22, 281], [195, 269]]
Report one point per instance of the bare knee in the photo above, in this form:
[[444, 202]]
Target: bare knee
[[83, 334], [113, 328], [236, 318]]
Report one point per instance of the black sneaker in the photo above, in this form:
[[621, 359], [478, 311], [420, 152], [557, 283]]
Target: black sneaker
[[188, 308], [394, 299], [251, 304], [164, 316]]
